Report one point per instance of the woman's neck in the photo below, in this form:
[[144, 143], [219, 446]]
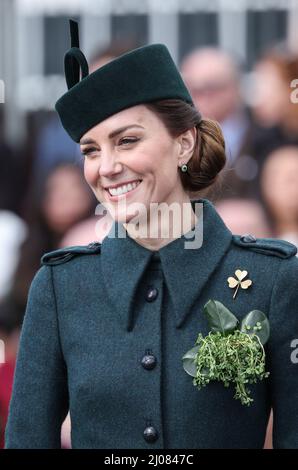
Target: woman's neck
[[165, 223]]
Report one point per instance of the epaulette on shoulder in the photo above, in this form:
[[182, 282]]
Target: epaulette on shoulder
[[267, 246], [62, 255]]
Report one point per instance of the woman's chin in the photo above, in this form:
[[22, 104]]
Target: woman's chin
[[126, 218], [132, 213]]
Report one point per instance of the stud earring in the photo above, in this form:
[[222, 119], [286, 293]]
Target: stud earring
[[184, 168]]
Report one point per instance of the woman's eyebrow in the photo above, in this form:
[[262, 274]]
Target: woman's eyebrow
[[111, 135]]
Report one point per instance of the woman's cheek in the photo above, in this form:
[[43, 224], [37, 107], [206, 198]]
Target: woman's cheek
[[90, 173]]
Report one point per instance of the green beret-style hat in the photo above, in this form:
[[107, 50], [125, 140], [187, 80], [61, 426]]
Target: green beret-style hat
[[142, 75]]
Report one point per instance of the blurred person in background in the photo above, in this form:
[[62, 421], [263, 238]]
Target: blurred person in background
[[214, 80], [94, 228], [280, 192], [244, 216], [272, 107], [65, 200]]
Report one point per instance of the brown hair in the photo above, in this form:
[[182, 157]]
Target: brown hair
[[209, 156]]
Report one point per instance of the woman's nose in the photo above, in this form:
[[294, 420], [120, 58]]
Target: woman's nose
[[109, 165]]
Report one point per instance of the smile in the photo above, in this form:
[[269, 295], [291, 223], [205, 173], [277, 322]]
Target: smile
[[123, 189]]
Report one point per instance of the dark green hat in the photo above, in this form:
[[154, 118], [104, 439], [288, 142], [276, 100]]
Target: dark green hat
[[140, 76]]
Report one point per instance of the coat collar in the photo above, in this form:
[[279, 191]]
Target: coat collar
[[186, 271]]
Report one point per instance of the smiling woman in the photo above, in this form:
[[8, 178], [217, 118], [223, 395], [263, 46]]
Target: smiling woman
[[110, 326], [124, 164]]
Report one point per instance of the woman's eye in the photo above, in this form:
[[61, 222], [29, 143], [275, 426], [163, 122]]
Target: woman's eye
[[88, 151], [92, 151], [127, 141]]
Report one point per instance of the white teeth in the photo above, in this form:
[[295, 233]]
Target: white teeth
[[123, 189]]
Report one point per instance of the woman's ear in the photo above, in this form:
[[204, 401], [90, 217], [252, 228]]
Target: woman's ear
[[187, 142]]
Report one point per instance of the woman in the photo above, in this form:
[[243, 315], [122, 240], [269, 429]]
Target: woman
[[107, 324]]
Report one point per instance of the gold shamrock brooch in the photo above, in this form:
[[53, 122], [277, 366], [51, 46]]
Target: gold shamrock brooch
[[239, 282]]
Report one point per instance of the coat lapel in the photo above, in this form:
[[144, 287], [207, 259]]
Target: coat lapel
[[123, 263], [186, 271]]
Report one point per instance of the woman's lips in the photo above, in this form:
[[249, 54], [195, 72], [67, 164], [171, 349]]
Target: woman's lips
[[122, 196]]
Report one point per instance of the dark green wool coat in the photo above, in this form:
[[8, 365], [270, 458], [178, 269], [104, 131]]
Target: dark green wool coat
[[94, 312]]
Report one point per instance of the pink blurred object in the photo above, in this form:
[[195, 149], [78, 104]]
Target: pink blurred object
[[87, 231], [6, 382]]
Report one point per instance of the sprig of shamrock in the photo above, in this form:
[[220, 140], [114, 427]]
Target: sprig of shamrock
[[229, 354]]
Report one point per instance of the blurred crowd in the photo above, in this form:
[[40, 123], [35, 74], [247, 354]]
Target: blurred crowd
[[46, 204]]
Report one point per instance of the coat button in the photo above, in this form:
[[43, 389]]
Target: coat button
[[149, 361], [152, 294], [248, 238], [150, 434]]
